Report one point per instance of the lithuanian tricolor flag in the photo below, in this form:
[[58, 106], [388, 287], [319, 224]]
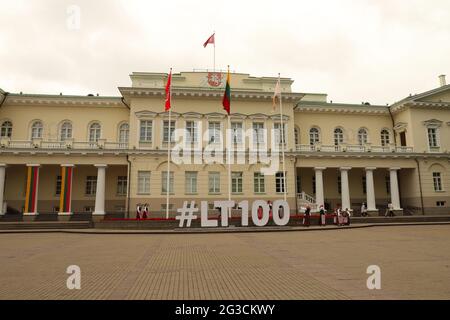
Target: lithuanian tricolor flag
[[227, 96], [32, 189]]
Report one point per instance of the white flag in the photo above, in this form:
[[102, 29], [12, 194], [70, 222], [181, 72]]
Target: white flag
[[276, 94]]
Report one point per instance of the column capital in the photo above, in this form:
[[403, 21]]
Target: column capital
[[33, 165], [2, 165], [100, 165], [67, 165], [319, 168], [371, 168], [345, 168], [394, 169]]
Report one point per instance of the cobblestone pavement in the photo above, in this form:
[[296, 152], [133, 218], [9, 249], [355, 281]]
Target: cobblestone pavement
[[414, 260]]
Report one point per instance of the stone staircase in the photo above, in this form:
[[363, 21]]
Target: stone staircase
[[304, 200]]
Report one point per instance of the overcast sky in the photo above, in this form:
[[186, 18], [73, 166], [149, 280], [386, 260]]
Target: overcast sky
[[355, 50]]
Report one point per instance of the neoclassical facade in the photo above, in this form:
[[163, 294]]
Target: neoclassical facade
[[67, 155]]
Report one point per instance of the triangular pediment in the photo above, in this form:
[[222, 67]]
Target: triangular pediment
[[438, 95]]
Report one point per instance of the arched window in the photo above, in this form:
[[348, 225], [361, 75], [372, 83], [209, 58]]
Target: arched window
[[297, 136], [385, 138], [6, 129], [362, 136], [338, 136], [36, 130], [314, 136], [65, 131], [94, 132], [124, 132]]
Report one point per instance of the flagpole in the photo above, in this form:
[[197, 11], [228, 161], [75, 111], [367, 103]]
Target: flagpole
[[168, 152], [229, 152], [214, 51], [283, 142], [229, 162]]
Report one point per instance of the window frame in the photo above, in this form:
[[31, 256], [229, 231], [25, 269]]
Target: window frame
[[146, 131], [144, 179]]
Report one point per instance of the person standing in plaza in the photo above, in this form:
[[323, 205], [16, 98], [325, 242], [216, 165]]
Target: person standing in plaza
[[145, 211], [363, 210], [307, 217], [322, 218], [348, 214], [390, 210], [138, 211], [337, 212]]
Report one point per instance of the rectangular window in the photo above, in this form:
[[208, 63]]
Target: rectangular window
[[145, 134], [279, 133], [214, 182], [339, 184], [299, 183], [164, 182], [237, 131], [364, 185], [258, 132], [214, 132], [166, 131], [191, 182], [236, 182], [122, 185], [279, 182], [437, 181], [58, 185], [191, 132], [259, 185], [440, 203], [91, 185], [143, 182], [314, 184], [432, 137]]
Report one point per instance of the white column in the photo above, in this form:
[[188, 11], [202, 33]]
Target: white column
[[395, 196], [2, 186], [100, 191], [319, 186], [345, 192], [370, 190]]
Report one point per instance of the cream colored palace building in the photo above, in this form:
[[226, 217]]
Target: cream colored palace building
[[116, 147]]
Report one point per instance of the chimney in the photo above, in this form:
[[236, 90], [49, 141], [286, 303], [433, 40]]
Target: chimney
[[442, 80]]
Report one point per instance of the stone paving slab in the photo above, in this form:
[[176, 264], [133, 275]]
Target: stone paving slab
[[415, 264], [222, 230]]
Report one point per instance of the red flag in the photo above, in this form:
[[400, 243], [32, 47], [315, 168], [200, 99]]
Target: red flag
[[210, 40], [169, 91]]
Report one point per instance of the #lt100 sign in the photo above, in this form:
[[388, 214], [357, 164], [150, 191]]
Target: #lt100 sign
[[260, 213]]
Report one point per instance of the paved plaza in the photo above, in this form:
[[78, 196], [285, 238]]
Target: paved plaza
[[414, 261]]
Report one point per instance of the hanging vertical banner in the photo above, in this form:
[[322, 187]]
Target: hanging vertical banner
[[66, 189], [32, 189]]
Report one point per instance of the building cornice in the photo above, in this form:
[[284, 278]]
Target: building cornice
[[63, 101], [239, 95], [318, 107], [421, 105]]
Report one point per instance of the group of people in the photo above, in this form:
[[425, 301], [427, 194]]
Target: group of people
[[142, 211], [341, 217], [389, 210]]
